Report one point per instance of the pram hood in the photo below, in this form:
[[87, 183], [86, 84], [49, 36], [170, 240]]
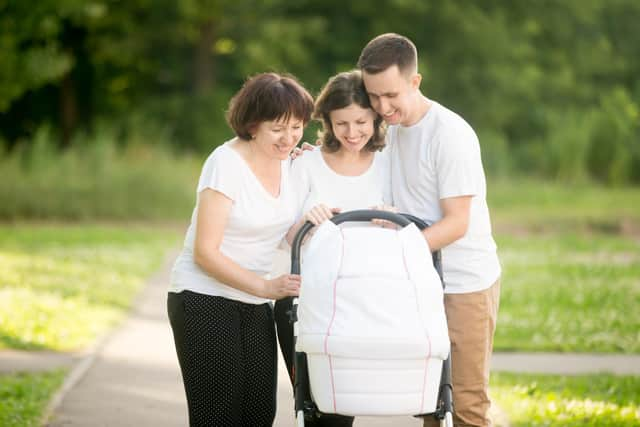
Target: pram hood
[[371, 293]]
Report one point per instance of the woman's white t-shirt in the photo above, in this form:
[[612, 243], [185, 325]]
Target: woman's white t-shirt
[[256, 225], [317, 183]]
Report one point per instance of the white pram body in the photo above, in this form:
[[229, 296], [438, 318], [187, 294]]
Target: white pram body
[[371, 321]]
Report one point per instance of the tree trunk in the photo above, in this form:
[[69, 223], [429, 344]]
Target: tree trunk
[[204, 78], [68, 109]]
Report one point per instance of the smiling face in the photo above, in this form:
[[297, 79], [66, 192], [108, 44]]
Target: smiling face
[[352, 126], [276, 138], [394, 95]]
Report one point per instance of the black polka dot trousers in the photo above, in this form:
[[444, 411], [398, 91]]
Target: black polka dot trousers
[[228, 357]]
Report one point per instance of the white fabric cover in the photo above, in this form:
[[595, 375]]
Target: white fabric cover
[[371, 320]]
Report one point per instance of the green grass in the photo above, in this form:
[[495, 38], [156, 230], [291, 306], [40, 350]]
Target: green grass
[[23, 397], [537, 205], [566, 292], [61, 286], [546, 400]]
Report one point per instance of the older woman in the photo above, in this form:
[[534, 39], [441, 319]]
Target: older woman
[[219, 301]]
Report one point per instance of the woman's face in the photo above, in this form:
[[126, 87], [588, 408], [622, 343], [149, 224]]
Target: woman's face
[[276, 138], [352, 126]]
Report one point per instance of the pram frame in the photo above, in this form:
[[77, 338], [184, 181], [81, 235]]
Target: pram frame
[[286, 316]]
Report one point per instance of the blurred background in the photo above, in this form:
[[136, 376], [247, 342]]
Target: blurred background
[[552, 88], [108, 109]]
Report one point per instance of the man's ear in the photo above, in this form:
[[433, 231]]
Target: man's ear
[[415, 80]]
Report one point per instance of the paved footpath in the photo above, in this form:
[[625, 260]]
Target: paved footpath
[[132, 378]]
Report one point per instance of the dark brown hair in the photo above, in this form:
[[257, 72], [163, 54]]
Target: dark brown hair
[[341, 91], [268, 96], [387, 50]]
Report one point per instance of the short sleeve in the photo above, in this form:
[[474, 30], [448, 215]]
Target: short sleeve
[[300, 182], [458, 164], [222, 172]]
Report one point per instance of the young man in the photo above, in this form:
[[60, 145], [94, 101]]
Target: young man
[[437, 175]]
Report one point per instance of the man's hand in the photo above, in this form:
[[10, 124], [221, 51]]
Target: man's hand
[[298, 151], [383, 222]]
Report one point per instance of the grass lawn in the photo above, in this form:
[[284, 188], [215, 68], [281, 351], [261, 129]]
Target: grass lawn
[[543, 205], [23, 397], [567, 292], [571, 261], [545, 400], [61, 286]]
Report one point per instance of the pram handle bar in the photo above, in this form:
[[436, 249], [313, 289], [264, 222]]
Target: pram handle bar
[[361, 215]]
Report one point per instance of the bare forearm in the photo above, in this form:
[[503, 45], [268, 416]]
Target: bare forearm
[[225, 270], [444, 232], [291, 234]]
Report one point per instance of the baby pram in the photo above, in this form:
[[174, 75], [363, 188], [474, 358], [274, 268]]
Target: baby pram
[[372, 342]]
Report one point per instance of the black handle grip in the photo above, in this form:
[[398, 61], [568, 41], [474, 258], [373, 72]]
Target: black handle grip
[[352, 216]]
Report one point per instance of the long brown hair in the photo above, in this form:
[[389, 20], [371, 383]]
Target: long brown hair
[[341, 91]]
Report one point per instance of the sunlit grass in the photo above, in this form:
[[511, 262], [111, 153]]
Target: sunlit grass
[[546, 205], [62, 286], [564, 292], [545, 400], [23, 397]]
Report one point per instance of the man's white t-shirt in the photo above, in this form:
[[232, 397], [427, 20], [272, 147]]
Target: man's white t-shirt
[[316, 183], [438, 158], [257, 223]]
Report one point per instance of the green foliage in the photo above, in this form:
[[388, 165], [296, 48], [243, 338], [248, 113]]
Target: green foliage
[[590, 400], [97, 179], [63, 286], [23, 397], [551, 87], [615, 140]]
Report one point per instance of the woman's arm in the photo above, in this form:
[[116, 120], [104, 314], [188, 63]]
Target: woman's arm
[[213, 213]]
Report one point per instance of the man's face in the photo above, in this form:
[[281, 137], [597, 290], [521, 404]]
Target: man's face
[[393, 94]]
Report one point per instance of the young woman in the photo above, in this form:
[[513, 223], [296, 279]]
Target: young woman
[[219, 301], [348, 172]]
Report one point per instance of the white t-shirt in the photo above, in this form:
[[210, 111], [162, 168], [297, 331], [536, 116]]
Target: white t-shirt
[[257, 223], [437, 158], [317, 183]]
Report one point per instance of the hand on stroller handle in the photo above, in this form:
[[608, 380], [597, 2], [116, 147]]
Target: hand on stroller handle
[[360, 215]]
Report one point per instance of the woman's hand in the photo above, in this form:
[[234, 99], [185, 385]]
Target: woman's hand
[[320, 213], [287, 285]]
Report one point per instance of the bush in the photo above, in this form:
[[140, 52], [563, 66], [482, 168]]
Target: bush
[[97, 178], [615, 139]]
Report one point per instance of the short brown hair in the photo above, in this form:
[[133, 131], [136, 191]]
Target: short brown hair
[[268, 96], [341, 91], [387, 50]]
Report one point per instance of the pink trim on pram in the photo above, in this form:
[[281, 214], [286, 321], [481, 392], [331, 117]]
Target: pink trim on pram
[[333, 316]]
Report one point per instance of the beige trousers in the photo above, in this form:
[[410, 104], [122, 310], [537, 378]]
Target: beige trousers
[[472, 322]]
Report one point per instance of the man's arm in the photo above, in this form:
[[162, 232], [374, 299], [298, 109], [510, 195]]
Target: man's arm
[[452, 226]]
